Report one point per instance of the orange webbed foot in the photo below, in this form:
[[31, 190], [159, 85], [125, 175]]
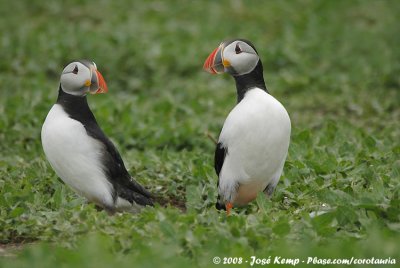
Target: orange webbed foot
[[228, 206]]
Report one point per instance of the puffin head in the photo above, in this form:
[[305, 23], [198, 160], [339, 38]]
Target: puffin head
[[81, 77], [236, 57]]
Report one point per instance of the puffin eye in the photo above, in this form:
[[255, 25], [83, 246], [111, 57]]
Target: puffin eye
[[75, 71], [237, 49]]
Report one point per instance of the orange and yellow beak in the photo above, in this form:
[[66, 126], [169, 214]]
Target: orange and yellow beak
[[102, 86], [214, 63], [97, 84]]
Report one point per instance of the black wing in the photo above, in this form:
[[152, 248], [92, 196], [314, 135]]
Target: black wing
[[124, 185], [219, 158]]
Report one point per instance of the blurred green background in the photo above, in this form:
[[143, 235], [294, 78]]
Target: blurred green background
[[334, 65]]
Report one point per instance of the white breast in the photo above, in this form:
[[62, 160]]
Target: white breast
[[257, 135], [75, 156]]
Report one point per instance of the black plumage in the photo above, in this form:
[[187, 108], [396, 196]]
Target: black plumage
[[251, 80], [253, 143], [219, 157], [123, 184]]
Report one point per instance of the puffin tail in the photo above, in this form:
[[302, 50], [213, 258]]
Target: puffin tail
[[135, 198], [142, 200], [220, 205]]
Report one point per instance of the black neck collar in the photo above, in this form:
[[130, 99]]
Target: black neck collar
[[65, 98], [76, 107], [251, 80]]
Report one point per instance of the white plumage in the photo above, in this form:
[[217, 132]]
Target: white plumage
[[75, 156], [78, 150], [254, 140], [256, 133]]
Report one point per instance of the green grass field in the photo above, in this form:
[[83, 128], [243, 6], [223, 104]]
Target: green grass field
[[334, 65]]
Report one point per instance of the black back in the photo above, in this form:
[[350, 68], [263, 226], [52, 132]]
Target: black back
[[219, 158], [124, 185], [251, 80]]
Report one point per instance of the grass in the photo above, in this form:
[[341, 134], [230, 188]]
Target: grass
[[333, 64]]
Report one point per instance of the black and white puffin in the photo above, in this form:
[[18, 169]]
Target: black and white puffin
[[254, 140], [78, 150]]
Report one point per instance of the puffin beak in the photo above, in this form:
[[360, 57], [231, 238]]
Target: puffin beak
[[102, 83], [98, 84], [214, 62]]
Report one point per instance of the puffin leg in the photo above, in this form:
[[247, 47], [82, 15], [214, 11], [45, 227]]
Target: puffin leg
[[269, 190], [98, 208], [228, 206]]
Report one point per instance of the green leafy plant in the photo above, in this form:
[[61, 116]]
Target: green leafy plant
[[333, 64]]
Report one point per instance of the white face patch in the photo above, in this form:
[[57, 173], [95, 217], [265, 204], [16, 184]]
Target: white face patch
[[241, 57], [74, 79]]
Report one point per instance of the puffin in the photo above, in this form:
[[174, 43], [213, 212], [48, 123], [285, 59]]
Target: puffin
[[253, 144], [79, 151]]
